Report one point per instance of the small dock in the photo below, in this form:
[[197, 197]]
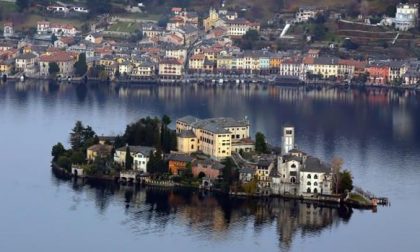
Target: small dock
[[383, 201]]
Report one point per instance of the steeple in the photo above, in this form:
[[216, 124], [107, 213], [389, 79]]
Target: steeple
[[288, 139]]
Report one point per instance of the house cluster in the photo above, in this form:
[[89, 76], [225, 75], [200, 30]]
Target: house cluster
[[180, 49], [228, 23], [290, 172], [204, 143]]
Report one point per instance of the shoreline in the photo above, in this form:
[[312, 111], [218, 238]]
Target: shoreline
[[213, 82], [61, 173]]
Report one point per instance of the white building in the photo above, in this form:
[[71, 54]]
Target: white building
[[315, 177], [8, 30], [299, 173], [288, 139], [304, 14], [80, 9], [406, 16], [140, 155], [58, 8]]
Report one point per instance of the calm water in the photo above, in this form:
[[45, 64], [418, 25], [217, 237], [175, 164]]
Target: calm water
[[376, 132]]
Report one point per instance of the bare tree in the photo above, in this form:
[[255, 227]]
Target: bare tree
[[336, 166]]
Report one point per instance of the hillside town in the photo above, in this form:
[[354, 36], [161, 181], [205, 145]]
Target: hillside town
[[218, 47]]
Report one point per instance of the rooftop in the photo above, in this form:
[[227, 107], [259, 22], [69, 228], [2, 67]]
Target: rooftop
[[145, 150], [315, 165]]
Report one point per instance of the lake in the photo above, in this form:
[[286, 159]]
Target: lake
[[376, 132]]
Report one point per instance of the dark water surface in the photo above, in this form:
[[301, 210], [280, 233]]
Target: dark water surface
[[376, 132]]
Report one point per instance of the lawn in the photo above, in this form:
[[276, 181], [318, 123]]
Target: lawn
[[7, 7], [123, 27], [359, 199]]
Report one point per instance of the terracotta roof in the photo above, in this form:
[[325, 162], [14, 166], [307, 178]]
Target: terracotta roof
[[198, 57], [170, 61], [59, 56]]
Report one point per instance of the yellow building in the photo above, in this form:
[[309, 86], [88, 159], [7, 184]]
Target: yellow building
[[196, 62], [224, 63], [5, 68], [213, 136], [325, 66], [264, 168], [275, 62], [211, 20], [98, 150]]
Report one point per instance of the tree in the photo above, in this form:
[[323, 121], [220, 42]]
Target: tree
[[82, 137], [77, 157], [260, 144], [80, 67], [64, 162], [163, 21], [168, 136], [156, 164], [318, 31], [128, 159], [346, 182], [229, 173], [166, 120], [249, 40], [76, 136], [53, 38], [390, 10], [57, 151], [53, 68], [251, 35], [336, 165], [98, 7], [23, 4], [188, 170], [350, 45]]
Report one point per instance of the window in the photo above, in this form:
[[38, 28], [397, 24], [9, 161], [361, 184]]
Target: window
[[293, 166], [315, 184], [316, 176], [309, 176], [309, 183], [308, 190], [315, 190], [293, 180]]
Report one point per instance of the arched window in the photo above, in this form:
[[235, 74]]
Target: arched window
[[316, 176], [309, 176], [309, 183], [293, 166], [315, 190], [293, 180], [315, 184], [308, 190]]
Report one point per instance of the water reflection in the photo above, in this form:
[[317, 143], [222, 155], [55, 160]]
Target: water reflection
[[209, 216]]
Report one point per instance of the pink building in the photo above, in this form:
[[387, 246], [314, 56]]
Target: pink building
[[212, 169]]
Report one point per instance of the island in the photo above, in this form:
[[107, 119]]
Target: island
[[214, 154]]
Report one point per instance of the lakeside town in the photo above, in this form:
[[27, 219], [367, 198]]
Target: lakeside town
[[222, 46], [216, 154]]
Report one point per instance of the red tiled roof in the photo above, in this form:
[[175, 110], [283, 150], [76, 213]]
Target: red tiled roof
[[59, 56], [170, 61], [198, 57]]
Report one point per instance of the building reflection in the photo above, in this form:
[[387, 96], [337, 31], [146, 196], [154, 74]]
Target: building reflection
[[210, 216]]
